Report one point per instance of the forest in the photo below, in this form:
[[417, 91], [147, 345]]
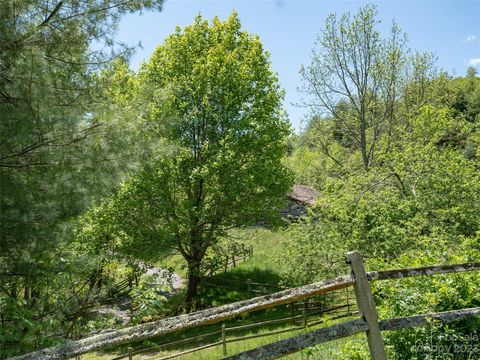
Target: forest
[[127, 189]]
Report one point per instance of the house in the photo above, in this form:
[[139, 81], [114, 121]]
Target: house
[[300, 198]]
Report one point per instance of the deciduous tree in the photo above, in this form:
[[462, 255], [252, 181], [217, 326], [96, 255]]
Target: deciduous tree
[[223, 120], [354, 66]]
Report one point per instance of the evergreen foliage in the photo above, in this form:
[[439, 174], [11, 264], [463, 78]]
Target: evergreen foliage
[[58, 140]]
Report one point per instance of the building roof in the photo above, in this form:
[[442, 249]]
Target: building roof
[[305, 194]]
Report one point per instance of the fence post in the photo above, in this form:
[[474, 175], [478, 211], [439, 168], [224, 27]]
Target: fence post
[[304, 314], [348, 301], [292, 307], [233, 259], [366, 306], [130, 353], [224, 341]]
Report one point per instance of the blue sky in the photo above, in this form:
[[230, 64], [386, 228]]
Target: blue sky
[[288, 28]]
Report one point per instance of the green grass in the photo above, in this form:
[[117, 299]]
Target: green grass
[[176, 263], [260, 268], [326, 351], [263, 240]]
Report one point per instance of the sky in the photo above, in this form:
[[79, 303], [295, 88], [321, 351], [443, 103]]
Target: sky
[[288, 29]]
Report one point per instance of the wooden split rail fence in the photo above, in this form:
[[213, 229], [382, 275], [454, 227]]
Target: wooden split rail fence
[[307, 316], [367, 321], [233, 256], [237, 254], [251, 287]]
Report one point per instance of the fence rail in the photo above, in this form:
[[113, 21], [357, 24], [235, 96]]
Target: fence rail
[[231, 258], [367, 322], [422, 271], [251, 286]]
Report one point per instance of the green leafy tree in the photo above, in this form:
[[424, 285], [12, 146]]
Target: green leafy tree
[[425, 192], [354, 64], [356, 78], [222, 120]]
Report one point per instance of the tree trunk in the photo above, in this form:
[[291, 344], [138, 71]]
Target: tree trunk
[[193, 282], [363, 141]]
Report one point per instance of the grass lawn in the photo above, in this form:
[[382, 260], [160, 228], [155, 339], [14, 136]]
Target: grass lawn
[[263, 240], [327, 351], [230, 286]]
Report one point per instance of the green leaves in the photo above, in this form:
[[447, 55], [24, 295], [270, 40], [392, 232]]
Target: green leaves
[[438, 293], [147, 298]]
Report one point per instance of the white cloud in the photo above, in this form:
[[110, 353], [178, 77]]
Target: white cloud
[[471, 39], [474, 61]]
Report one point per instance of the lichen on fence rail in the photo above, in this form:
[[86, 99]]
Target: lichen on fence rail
[[424, 319], [422, 271], [316, 337], [204, 317], [302, 341]]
